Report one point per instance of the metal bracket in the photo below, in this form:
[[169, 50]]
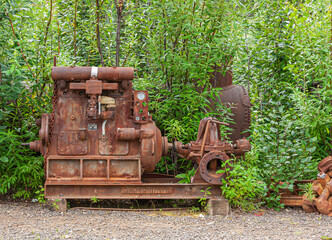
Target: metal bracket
[[94, 72]]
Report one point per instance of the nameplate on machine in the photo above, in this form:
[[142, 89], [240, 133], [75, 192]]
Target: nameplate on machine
[[147, 190]]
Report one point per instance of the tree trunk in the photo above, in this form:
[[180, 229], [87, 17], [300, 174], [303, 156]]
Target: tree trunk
[[98, 34], [119, 8], [75, 18]]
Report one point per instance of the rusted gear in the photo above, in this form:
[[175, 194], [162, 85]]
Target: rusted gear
[[210, 164]]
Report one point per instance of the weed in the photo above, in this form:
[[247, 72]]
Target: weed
[[309, 193], [203, 200], [241, 185], [186, 177], [194, 209], [41, 195], [94, 200], [55, 204]]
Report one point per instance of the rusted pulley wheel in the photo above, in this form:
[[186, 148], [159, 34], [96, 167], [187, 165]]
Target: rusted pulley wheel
[[210, 164], [44, 130]]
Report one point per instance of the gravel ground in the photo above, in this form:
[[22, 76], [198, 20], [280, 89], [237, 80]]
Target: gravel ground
[[35, 221]]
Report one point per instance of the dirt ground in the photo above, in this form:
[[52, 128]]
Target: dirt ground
[[36, 221]]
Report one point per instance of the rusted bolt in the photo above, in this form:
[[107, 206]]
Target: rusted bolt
[[82, 134], [72, 117]]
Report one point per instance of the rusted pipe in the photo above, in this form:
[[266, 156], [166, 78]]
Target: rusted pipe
[[220, 123], [84, 73], [204, 138], [103, 127], [133, 210], [128, 134]]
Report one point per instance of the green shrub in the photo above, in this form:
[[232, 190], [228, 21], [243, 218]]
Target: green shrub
[[242, 186], [21, 170]]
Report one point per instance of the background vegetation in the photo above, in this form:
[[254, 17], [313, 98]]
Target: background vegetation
[[280, 50]]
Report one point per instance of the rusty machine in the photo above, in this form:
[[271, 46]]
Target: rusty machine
[[100, 141]]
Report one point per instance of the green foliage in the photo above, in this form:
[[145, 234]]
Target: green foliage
[[285, 61], [41, 195], [280, 50], [186, 177], [194, 209], [309, 192], [94, 200], [203, 200], [20, 170], [241, 186], [179, 55], [55, 204]]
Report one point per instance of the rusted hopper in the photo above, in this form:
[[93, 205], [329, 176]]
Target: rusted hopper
[[236, 97]]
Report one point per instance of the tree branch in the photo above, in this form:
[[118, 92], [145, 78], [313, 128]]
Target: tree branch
[[11, 23], [48, 23], [75, 28], [58, 38], [0, 74], [118, 30], [98, 33], [45, 40]]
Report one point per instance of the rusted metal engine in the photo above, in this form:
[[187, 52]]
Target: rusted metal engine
[[100, 141]]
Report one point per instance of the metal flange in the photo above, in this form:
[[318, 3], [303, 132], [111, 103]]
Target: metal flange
[[210, 164]]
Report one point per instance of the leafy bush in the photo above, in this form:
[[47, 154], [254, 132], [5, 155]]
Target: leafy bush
[[186, 177], [242, 186], [21, 170]]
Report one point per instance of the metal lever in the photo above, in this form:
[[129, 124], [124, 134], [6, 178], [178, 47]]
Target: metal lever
[[220, 123]]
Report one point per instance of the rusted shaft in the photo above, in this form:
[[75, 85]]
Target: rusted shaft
[[84, 73], [132, 210]]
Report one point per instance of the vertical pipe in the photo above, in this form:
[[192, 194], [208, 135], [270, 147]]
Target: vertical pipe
[[103, 127]]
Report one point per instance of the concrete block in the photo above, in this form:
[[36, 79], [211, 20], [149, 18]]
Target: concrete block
[[218, 206], [59, 205]]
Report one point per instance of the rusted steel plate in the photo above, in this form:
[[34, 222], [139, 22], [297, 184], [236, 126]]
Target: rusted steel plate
[[85, 169], [64, 189], [82, 86]]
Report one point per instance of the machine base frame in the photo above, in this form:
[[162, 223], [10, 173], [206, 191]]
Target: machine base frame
[[153, 186]]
